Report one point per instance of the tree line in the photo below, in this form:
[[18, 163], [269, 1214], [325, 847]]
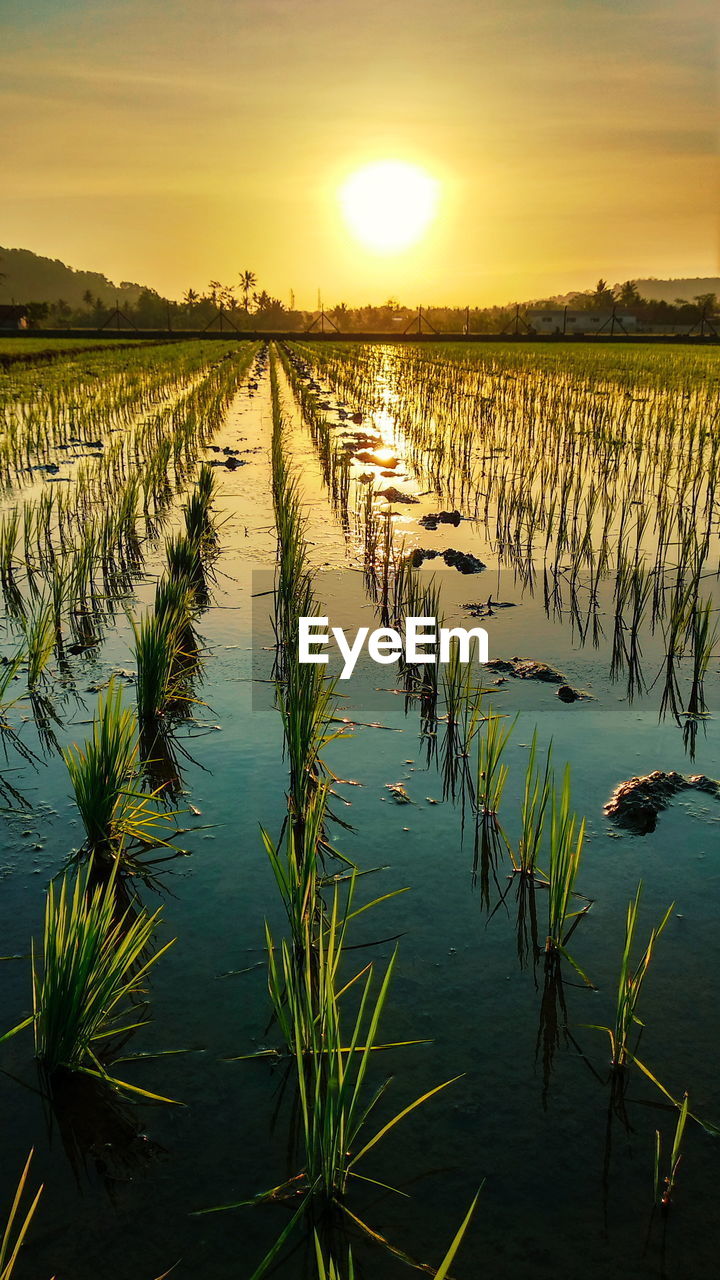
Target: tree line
[[244, 306]]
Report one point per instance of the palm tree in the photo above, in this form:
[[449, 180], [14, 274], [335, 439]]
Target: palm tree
[[602, 294], [248, 280], [627, 293], [191, 296]]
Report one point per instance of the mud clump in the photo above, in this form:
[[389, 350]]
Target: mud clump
[[566, 693], [431, 521], [463, 561], [635, 804], [231, 463], [396, 495], [527, 669]]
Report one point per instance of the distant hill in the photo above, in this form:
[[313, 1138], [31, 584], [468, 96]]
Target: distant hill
[[27, 277], [670, 290]]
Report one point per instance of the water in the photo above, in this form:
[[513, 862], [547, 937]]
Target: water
[[568, 1184]]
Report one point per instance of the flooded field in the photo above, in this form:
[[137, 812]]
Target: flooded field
[[435, 930]]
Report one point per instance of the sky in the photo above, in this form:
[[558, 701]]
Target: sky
[[176, 141]]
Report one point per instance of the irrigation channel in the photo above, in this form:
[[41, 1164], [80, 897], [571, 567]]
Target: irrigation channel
[[293, 968]]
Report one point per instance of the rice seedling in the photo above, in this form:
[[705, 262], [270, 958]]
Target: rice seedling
[[39, 638], [306, 701], [159, 687], [39, 634], [327, 1269], [490, 778], [17, 1224], [630, 984], [490, 772], [536, 796], [199, 523], [87, 986], [185, 564], [295, 867], [332, 1066], [121, 821], [664, 1187], [166, 653], [564, 854]]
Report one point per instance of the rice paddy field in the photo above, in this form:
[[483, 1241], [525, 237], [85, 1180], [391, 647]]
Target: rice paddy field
[[316, 978]]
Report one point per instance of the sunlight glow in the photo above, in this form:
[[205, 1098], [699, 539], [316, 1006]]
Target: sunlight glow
[[390, 204]]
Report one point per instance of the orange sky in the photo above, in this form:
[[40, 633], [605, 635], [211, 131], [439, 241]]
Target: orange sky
[[175, 141]]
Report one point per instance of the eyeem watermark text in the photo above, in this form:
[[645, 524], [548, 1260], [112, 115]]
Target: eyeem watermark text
[[421, 642]]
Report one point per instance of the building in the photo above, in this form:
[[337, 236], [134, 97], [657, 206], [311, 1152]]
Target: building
[[13, 317], [566, 320]]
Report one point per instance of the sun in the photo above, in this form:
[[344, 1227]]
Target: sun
[[390, 204]]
